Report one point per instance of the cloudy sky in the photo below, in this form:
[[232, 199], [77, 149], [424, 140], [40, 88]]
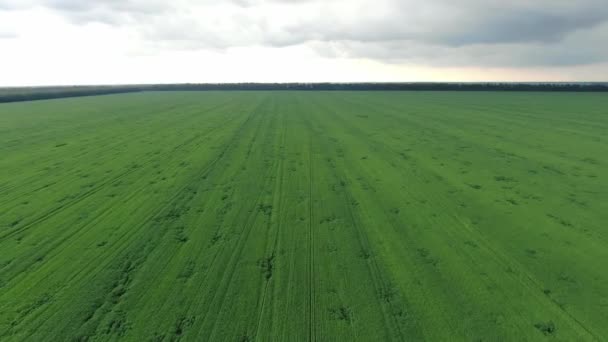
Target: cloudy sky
[[47, 42]]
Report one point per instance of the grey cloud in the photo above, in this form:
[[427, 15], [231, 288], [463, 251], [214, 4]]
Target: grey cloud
[[543, 22], [472, 33], [468, 22], [578, 48]]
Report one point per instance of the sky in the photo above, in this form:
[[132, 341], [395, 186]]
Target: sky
[[63, 42]]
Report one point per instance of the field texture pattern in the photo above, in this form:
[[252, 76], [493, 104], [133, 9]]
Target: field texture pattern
[[305, 216]]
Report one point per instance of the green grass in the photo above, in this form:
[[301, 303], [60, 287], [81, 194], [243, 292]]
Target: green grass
[[295, 216]]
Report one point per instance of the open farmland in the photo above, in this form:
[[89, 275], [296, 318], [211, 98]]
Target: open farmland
[[300, 216]]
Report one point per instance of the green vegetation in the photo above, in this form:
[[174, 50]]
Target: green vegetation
[[330, 216]]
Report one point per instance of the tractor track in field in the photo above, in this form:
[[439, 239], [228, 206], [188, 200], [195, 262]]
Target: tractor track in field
[[101, 186], [379, 279], [275, 243], [221, 247], [66, 237], [381, 284], [231, 145], [211, 129], [236, 253], [503, 259], [530, 282], [126, 238], [311, 243]]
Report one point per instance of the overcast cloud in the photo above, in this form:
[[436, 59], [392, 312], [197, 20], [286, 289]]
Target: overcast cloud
[[547, 37]]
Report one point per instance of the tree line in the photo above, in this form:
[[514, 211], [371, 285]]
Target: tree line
[[40, 93]]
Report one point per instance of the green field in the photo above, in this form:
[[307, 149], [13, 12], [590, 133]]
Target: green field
[[305, 216]]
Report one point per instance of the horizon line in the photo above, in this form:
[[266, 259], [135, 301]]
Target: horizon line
[[302, 83]]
